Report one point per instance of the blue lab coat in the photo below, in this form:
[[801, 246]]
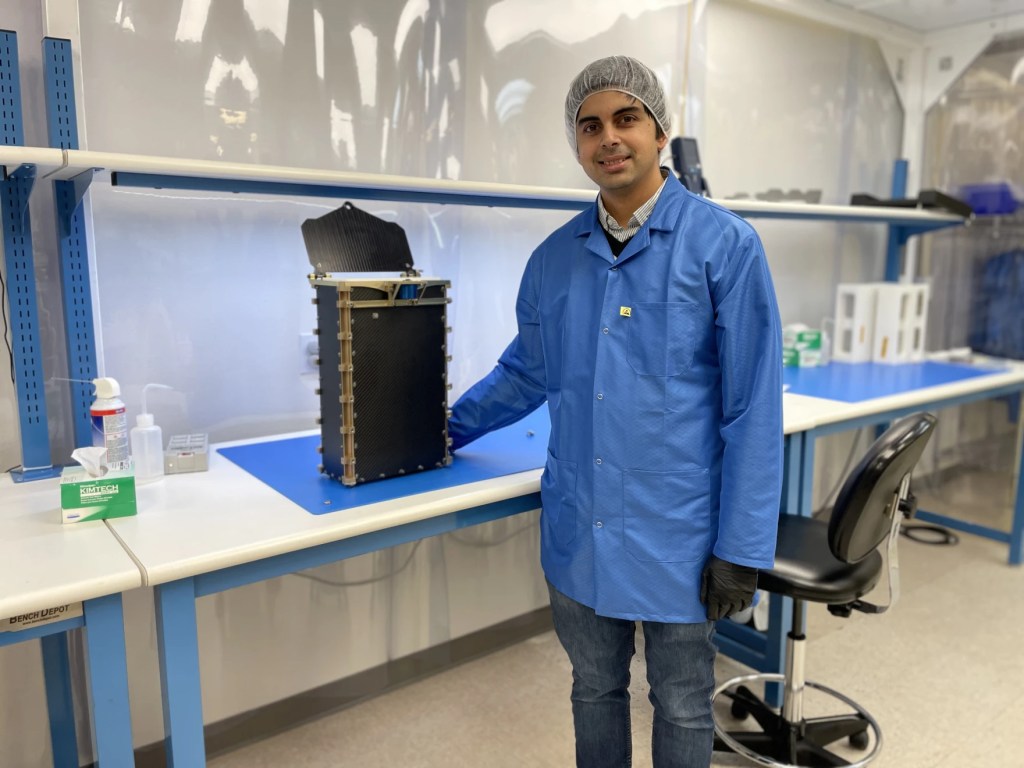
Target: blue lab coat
[[662, 371]]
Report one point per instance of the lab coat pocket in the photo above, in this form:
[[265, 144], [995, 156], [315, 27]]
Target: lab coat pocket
[[558, 498], [661, 338], [666, 515]]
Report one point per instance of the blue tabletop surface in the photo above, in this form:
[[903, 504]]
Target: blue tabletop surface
[[289, 466], [854, 382]]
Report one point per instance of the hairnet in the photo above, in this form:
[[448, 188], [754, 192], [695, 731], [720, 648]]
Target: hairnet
[[616, 73]]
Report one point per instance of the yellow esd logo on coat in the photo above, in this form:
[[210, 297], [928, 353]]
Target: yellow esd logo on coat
[[625, 311]]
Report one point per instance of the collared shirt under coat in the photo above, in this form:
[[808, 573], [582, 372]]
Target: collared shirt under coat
[[640, 215], [662, 371]]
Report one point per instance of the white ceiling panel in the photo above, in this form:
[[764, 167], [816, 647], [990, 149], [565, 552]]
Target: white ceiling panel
[[930, 15]]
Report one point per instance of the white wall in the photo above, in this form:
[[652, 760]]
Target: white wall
[[216, 309], [792, 104], [207, 292], [795, 105]]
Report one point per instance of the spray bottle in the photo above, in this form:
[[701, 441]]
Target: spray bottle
[[147, 441], [109, 423]]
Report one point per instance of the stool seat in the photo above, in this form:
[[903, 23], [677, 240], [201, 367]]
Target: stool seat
[[806, 569]]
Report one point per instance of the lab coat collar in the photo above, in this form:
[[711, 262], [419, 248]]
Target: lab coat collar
[[663, 218]]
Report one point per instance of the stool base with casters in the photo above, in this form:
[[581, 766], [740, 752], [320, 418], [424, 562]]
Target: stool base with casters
[[780, 743]]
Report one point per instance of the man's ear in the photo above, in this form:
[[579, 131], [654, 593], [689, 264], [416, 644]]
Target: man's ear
[[662, 142]]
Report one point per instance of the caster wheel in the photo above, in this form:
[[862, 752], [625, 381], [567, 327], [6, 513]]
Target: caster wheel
[[859, 740], [737, 710]]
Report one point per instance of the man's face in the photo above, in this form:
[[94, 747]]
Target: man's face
[[616, 144]]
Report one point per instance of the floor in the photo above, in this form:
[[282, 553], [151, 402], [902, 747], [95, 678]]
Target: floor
[[941, 672]]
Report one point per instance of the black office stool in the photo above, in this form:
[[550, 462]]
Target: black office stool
[[833, 563]]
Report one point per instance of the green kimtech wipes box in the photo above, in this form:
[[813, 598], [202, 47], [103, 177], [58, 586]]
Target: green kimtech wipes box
[[801, 338], [83, 497], [801, 346]]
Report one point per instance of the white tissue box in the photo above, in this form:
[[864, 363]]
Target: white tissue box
[[96, 498]]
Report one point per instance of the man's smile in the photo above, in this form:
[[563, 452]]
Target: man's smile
[[613, 163]]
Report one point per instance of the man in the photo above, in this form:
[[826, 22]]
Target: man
[[649, 324]]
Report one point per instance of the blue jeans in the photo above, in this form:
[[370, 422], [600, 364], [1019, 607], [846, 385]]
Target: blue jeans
[[680, 671]]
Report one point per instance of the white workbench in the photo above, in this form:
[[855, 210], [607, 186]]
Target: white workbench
[[45, 564], [1003, 378], [196, 523]]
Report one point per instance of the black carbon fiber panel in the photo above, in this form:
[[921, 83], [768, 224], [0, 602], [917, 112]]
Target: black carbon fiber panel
[[399, 384], [400, 389], [433, 292], [351, 240]]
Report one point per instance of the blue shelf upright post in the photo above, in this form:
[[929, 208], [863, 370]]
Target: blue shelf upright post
[[23, 322], [898, 236], [62, 130], [27, 369]]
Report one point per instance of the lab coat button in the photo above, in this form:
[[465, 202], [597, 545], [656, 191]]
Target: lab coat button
[[597, 461], [599, 524], [604, 330], [600, 396]]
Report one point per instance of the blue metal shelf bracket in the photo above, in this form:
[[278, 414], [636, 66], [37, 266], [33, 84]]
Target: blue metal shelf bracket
[[62, 130], [10, 91], [26, 343], [898, 236], [61, 118]]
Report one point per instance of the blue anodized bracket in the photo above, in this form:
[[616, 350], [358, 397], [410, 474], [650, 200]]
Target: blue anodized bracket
[[62, 132], [898, 236], [26, 343]]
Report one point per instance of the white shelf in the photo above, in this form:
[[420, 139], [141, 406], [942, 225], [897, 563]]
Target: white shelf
[[46, 161], [754, 209], [177, 173]]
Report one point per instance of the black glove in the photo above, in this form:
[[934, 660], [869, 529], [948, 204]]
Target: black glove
[[726, 588]]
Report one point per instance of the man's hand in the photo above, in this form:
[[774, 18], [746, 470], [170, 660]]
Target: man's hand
[[726, 588]]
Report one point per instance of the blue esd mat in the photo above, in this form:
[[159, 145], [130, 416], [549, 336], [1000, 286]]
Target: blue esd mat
[[854, 382], [290, 467]]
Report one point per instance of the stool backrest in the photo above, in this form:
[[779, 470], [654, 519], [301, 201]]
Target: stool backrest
[[862, 516]]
